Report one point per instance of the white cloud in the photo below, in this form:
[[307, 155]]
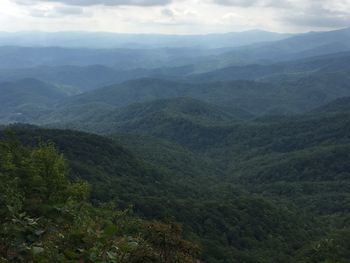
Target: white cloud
[[98, 2], [250, 3], [319, 14], [174, 16], [168, 12], [55, 12]]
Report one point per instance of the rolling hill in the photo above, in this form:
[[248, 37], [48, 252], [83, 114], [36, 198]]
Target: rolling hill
[[254, 97], [24, 100], [116, 175], [105, 118], [303, 159]]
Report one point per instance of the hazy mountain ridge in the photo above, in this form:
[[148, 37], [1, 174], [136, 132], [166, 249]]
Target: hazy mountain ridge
[[251, 157], [14, 57], [136, 41], [292, 69], [243, 98], [254, 97], [307, 45], [297, 47]]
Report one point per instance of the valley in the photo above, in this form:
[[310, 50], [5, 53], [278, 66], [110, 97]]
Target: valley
[[245, 149]]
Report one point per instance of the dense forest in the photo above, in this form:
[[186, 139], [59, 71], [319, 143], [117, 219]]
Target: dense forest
[[216, 154], [293, 196], [47, 218]]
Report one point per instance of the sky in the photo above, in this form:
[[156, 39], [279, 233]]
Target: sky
[[174, 16]]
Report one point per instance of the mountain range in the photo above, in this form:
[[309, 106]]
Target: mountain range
[[243, 139]]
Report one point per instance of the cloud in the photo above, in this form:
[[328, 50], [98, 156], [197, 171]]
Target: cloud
[[174, 16], [55, 12], [250, 3], [319, 17], [320, 13], [98, 2], [298, 13], [168, 12], [244, 3]]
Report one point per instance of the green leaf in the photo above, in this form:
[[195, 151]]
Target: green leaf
[[110, 230]]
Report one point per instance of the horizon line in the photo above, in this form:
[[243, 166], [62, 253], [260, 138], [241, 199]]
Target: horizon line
[[165, 34]]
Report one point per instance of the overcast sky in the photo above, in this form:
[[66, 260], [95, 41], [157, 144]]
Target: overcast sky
[[174, 16]]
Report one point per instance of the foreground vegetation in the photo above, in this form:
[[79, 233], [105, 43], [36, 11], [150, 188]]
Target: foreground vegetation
[[47, 218]]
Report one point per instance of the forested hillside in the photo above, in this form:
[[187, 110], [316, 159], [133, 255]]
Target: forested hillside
[[168, 151], [45, 217], [266, 176]]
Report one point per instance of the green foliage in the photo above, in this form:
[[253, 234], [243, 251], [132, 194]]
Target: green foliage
[[333, 248], [302, 160], [46, 218], [263, 190]]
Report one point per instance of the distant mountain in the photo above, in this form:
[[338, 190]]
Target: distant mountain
[[83, 78], [216, 102], [255, 97], [14, 57], [136, 41], [249, 96], [296, 47], [201, 59], [341, 105], [135, 91], [23, 100], [282, 70]]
